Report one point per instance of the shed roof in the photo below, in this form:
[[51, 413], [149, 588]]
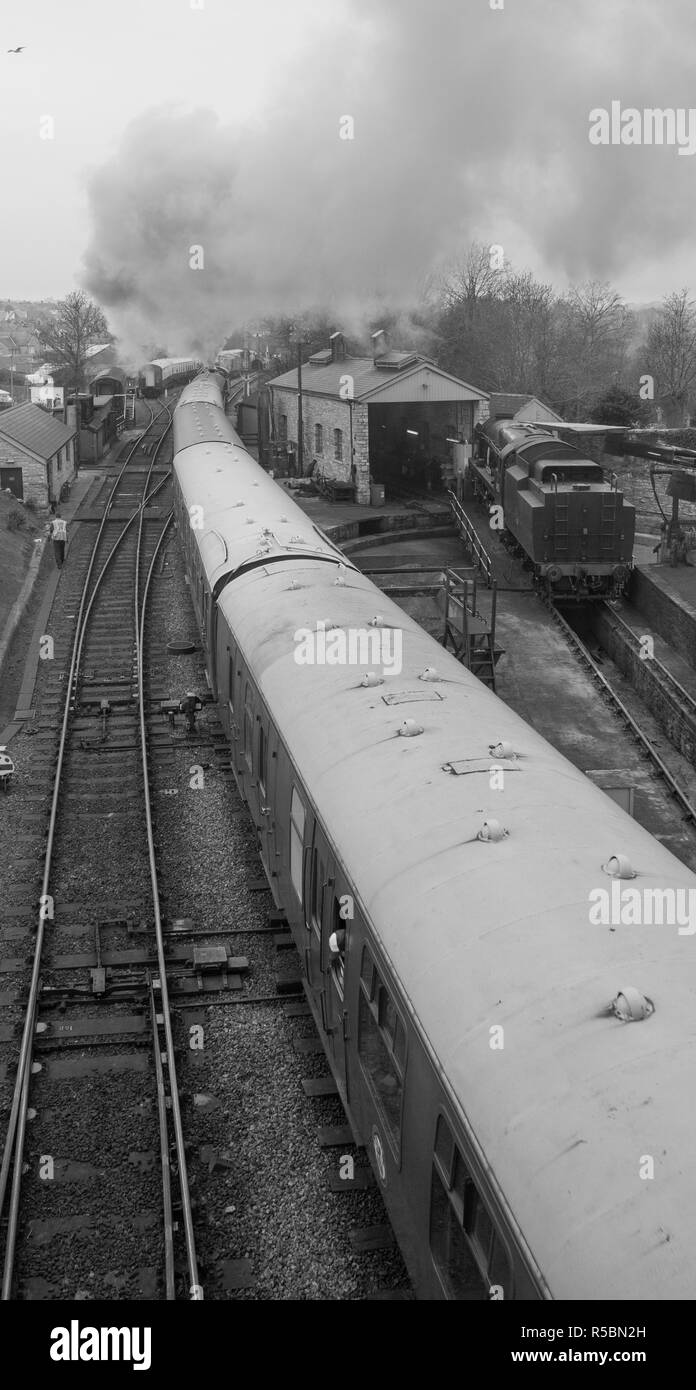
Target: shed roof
[[34, 429], [507, 403], [100, 414], [370, 380]]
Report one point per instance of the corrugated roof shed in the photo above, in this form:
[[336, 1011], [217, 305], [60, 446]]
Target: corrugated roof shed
[[35, 430]]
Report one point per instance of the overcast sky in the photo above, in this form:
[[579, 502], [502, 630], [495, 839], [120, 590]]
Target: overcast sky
[[219, 126]]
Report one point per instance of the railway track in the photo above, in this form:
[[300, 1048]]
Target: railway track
[[99, 1210], [609, 694], [110, 1068], [676, 698]]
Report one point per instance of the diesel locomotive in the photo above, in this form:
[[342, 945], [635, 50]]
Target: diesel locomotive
[[575, 528], [507, 1058]]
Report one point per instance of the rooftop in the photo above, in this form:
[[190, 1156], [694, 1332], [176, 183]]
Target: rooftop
[[35, 430], [504, 404], [369, 377]]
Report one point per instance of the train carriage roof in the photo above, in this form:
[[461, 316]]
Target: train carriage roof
[[250, 518], [488, 934]]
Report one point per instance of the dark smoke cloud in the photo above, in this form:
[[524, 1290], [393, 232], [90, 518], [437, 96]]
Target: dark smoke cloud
[[469, 123]]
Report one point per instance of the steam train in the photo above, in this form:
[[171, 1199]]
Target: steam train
[[167, 372], [574, 528], [507, 1062]]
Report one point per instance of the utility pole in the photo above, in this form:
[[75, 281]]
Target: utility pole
[[300, 426]]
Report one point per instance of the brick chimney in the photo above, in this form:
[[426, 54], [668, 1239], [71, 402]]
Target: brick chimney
[[338, 347], [380, 344]]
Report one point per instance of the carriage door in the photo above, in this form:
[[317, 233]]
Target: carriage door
[[335, 926], [324, 967], [316, 870], [267, 765]]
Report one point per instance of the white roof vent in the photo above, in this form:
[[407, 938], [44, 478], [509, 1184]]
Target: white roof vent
[[492, 830], [619, 867], [631, 1006], [370, 679], [501, 750], [409, 729], [429, 674]]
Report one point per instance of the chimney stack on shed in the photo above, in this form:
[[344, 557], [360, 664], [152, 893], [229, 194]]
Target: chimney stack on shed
[[380, 344], [338, 347]]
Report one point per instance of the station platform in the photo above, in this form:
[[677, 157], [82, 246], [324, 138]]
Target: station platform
[[345, 521]]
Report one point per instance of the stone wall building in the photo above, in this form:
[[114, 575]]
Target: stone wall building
[[388, 419], [37, 454]]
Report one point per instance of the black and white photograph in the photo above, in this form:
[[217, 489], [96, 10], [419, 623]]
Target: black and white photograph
[[347, 667]]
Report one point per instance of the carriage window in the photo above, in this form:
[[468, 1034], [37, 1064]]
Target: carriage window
[[317, 890], [367, 973], [382, 1062], [297, 825], [230, 682], [469, 1255], [262, 762]]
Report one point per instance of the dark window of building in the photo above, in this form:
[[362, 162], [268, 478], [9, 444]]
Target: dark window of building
[[59, 457], [378, 1025], [338, 444], [297, 826], [283, 423], [468, 1252], [318, 439]]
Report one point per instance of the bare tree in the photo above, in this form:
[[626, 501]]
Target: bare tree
[[468, 281], [595, 340], [78, 324], [671, 350]]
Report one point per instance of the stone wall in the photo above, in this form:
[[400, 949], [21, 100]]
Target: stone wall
[[624, 651], [41, 482], [33, 472], [674, 621], [331, 414]]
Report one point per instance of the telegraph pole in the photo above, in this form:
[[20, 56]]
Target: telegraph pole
[[300, 427]]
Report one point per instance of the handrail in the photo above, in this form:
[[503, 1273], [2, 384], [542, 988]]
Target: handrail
[[471, 539]]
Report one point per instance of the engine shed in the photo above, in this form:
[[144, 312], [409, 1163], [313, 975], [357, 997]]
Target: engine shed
[[386, 423]]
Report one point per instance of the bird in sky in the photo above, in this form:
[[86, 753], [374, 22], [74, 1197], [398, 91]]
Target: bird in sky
[[17, 50]]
